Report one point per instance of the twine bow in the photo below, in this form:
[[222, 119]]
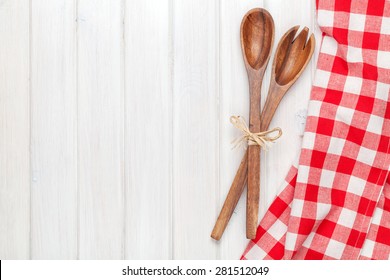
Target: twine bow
[[261, 139]]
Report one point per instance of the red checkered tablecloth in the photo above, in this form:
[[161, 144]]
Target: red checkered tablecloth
[[335, 203]]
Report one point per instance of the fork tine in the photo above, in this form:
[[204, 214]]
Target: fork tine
[[300, 41], [311, 42], [284, 45]]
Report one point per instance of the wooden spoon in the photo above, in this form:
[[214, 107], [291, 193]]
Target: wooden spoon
[[257, 35], [291, 58]]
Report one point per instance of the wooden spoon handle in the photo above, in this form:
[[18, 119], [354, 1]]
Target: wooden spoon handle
[[253, 194]]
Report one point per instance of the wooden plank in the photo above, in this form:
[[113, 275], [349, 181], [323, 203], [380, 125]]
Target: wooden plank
[[54, 138], [277, 161], [195, 127], [100, 129], [14, 130], [234, 100], [148, 129]]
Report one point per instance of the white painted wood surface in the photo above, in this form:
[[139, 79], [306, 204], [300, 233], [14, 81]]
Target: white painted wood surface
[[14, 130], [53, 105], [195, 126], [148, 129], [114, 126], [100, 129]]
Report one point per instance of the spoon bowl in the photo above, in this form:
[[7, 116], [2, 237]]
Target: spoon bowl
[[257, 37]]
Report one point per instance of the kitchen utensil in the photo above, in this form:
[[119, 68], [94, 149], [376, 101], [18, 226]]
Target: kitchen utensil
[[291, 58], [257, 35]]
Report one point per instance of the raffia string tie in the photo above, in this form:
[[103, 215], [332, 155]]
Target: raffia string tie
[[261, 139]]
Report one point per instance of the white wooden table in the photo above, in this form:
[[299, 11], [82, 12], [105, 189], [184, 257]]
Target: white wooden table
[[114, 126]]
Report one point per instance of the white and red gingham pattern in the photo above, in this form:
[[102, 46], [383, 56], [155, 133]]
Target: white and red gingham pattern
[[335, 204], [377, 244]]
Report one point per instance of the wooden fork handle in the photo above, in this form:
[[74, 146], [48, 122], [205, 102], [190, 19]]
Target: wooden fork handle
[[232, 199]]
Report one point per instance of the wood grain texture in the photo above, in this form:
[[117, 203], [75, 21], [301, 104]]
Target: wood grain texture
[[100, 129], [53, 130], [195, 127], [14, 130], [148, 130]]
